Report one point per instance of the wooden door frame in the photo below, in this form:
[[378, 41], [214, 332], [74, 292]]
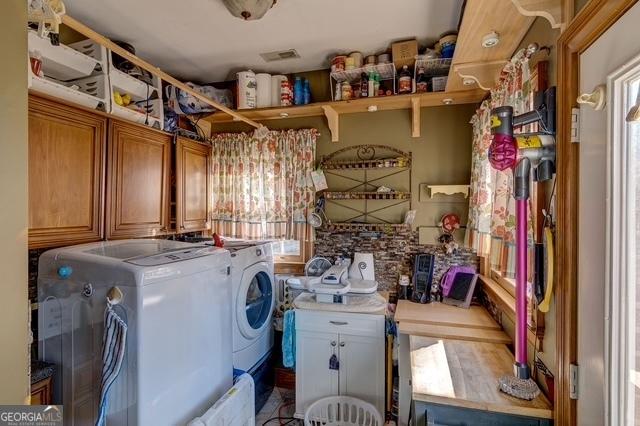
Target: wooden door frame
[[587, 26]]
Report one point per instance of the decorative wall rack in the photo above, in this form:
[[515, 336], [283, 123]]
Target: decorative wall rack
[[356, 164]]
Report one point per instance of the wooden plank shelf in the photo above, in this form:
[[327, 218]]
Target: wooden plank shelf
[[363, 195], [380, 103]]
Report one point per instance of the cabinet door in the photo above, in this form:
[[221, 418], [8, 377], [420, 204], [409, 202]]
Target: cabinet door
[[137, 181], [66, 174], [192, 185], [362, 368], [314, 379]]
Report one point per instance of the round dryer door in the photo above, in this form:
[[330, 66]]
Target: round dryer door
[[255, 300]]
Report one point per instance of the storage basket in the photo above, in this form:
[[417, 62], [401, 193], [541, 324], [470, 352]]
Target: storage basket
[[342, 411]]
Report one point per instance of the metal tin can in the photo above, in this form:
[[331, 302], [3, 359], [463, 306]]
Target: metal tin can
[[349, 63], [338, 63], [357, 59], [370, 60], [384, 58]]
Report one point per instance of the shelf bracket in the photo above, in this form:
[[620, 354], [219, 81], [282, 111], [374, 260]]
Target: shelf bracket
[[551, 10], [485, 74], [415, 117], [333, 120]]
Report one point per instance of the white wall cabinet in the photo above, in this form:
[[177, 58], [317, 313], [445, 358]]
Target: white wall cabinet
[[357, 340]]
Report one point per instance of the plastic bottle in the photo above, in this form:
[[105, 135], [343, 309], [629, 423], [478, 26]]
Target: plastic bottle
[[298, 95], [364, 85], [371, 82], [306, 92], [376, 84], [404, 80], [337, 96]]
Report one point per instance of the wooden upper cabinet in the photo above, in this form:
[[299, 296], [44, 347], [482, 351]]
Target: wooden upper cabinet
[[66, 174], [138, 171], [193, 171]]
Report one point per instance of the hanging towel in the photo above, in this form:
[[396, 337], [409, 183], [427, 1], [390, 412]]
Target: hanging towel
[[114, 342], [289, 339]]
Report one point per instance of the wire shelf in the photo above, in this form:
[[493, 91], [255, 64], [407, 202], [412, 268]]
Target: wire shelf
[[367, 195], [433, 67], [386, 71]]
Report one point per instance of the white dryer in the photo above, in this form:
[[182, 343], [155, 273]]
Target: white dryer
[[253, 301]]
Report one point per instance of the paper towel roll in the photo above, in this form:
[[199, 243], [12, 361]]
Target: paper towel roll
[[246, 90], [263, 90], [276, 84]]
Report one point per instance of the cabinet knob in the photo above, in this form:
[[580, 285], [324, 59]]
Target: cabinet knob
[[342, 344], [333, 343]]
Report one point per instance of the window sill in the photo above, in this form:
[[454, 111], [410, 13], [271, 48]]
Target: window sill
[[505, 301]]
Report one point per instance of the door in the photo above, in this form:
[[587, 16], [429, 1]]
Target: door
[[255, 301], [137, 181], [605, 56], [66, 174], [192, 185], [314, 379], [362, 369]]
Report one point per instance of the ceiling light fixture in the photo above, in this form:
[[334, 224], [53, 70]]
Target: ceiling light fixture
[[491, 40], [249, 10]]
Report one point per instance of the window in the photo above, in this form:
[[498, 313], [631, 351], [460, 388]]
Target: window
[[623, 241]]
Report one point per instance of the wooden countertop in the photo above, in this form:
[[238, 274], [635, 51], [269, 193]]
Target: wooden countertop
[[449, 322], [442, 314], [465, 374]]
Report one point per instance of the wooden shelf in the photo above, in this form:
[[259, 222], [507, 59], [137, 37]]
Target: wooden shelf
[[364, 195], [473, 62], [333, 110]]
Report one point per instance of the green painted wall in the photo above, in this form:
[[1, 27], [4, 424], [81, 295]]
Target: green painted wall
[[14, 306], [442, 155]]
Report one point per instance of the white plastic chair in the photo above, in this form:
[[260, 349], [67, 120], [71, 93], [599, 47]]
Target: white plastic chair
[[342, 411]]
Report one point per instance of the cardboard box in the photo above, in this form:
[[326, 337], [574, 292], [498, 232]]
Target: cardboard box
[[404, 53]]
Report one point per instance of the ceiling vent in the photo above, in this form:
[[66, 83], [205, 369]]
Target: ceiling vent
[[280, 56]]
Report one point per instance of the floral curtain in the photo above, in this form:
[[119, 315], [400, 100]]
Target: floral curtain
[[262, 187], [491, 226]]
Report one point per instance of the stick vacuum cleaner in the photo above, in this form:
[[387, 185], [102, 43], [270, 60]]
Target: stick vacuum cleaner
[[523, 153]]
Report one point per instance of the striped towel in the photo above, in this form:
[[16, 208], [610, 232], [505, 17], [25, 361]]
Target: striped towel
[[113, 349]]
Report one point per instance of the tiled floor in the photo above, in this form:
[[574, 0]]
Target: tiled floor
[[280, 403]]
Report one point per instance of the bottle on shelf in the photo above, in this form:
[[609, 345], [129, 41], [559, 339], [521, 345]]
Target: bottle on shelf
[[376, 84], [347, 92], [371, 84], [364, 85], [421, 81], [404, 80], [306, 92], [337, 96], [298, 95]]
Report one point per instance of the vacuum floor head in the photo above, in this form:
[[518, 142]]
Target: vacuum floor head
[[520, 388]]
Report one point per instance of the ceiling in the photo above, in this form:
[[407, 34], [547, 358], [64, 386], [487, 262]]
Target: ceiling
[[199, 40]]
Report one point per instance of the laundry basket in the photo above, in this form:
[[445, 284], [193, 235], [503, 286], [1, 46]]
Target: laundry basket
[[342, 411]]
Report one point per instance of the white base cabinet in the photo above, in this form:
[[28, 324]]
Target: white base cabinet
[[358, 343]]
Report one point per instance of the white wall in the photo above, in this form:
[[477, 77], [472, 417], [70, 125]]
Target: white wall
[[14, 312]]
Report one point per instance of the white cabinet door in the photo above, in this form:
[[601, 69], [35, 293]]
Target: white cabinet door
[[362, 368], [314, 379]]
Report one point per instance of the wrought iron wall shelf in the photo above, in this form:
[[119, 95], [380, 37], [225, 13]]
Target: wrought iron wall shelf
[[357, 164]]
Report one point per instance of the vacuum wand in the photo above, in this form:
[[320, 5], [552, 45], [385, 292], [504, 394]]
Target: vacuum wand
[[523, 153]]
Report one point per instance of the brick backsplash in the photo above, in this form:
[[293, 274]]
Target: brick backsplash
[[393, 252]]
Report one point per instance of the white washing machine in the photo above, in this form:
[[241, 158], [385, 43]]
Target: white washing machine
[[253, 295], [177, 305]]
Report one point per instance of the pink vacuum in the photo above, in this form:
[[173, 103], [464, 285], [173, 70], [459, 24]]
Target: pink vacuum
[[522, 153]]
